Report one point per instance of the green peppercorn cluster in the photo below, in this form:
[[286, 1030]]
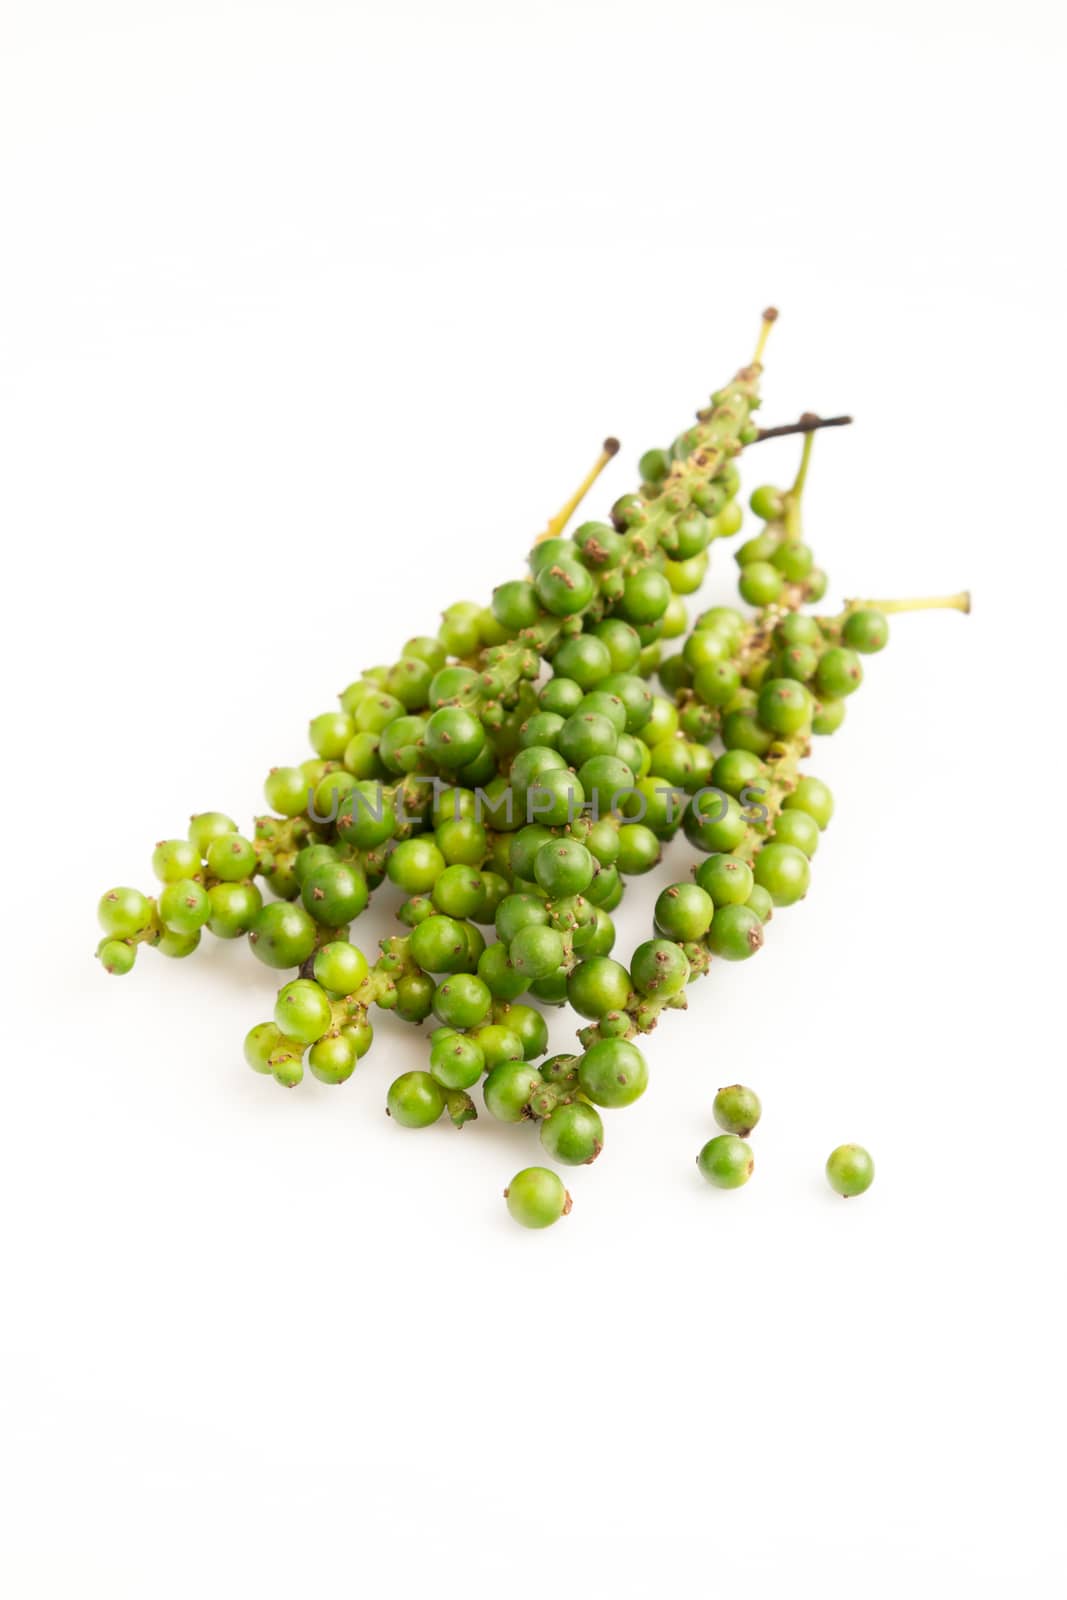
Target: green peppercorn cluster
[[507, 776]]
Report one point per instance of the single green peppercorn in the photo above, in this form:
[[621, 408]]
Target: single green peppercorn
[[340, 967], [613, 1073], [736, 933], [597, 986], [116, 956], [508, 1088], [797, 828], [282, 935], [737, 1110], [234, 909], [728, 881], [866, 631], [683, 912], [783, 871], [573, 1135], [415, 1100], [536, 1198], [462, 1001], [726, 1162], [184, 907], [659, 969], [849, 1170], [456, 1061], [839, 673], [302, 1011]]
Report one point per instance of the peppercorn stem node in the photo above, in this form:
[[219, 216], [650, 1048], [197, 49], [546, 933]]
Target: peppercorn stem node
[[556, 526], [947, 602]]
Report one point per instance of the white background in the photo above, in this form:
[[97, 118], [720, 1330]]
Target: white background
[[311, 314]]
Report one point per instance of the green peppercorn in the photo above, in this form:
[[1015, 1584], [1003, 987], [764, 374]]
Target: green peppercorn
[[726, 1162], [415, 1100], [573, 1134], [613, 1073], [849, 1170], [737, 1109], [536, 1198]]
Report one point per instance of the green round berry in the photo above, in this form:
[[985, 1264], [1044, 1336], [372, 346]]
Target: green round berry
[[839, 673], [601, 547], [536, 952], [866, 631], [737, 770], [654, 465], [497, 1044], [585, 659], [639, 849], [784, 872], [456, 1061], [784, 706], [645, 597], [462, 1001], [573, 1135], [683, 912], [184, 907], [453, 736], [334, 893], [282, 935], [174, 860], [849, 1170], [613, 1073], [261, 1042], [585, 735], [760, 583], [231, 858], [508, 1088], [340, 967], [333, 1058], [329, 734], [603, 780], [768, 503], [565, 587], [439, 944], [286, 791], [302, 1011], [726, 880], [116, 956], [726, 1162], [737, 1110], [536, 1198], [415, 865], [813, 797], [561, 696], [659, 969], [796, 827], [541, 731], [415, 1100], [736, 933], [597, 986], [234, 909], [495, 969], [715, 822], [794, 560], [122, 913], [563, 867]]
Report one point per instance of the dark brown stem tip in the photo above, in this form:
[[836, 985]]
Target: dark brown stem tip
[[771, 314], [611, 447]]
